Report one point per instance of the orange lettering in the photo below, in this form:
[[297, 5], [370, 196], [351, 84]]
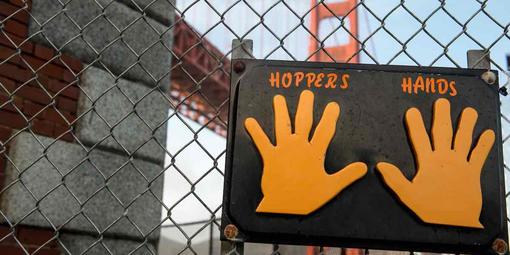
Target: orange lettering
[[331, 83], [275, 79], [310, 77], [406, 85], [430, 85], [453, 91], [419, 84], [345, 81], [286, 80], [442, 86], [299, 77], [318, 81]]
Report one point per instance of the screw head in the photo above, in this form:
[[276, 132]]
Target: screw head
[[239, 66], [499, 246], [230, 231], [489, 77]]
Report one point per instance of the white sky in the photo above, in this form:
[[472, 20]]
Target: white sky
[[197, 168]]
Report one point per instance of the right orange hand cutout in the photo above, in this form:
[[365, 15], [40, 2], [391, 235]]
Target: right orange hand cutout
[[446, 188]]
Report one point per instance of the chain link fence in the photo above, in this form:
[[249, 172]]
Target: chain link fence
[[113, 112]]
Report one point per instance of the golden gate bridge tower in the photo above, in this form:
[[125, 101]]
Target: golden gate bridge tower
[[347, 52]]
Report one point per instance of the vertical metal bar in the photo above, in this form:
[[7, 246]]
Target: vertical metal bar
[[211, 229], [232, 248], [479, 59], [240, 49], [276, 249]]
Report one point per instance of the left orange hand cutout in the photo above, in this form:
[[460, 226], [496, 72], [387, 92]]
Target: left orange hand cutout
[[293, 179]]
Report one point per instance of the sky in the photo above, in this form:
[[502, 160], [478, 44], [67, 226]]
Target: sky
[[282, 36], [241, 21], [193, 165]]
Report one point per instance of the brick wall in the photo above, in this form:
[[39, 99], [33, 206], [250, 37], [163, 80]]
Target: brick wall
[[38, 92], [33, 240], [39, 86]]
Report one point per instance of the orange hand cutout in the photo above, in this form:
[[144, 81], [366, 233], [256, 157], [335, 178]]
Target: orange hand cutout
[[293, 179], [446, 189]]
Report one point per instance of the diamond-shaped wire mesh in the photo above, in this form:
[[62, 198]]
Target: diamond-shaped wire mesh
[[113, 113]]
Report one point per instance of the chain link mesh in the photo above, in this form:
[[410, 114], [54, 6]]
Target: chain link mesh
[[113, 114]]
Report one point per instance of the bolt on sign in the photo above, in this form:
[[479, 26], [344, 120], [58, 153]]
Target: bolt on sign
[[370, 156]]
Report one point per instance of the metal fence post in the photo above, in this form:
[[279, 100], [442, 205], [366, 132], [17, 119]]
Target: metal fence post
[[240, 49], [232, 248], [478, 59]]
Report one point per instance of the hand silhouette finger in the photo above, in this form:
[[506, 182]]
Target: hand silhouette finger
[[417, 133], [257, 135], [463, 137], [394, 178], [350, 174], [442, 132], [482, 149], [282, 124], [326, 128], [304, 114]]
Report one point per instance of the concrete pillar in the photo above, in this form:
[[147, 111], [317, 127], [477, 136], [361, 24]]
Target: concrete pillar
[[61, 184], [122, 115], [122, 38], [103, 192]]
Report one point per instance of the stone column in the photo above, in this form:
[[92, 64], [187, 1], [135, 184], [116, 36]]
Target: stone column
[[102, 192]]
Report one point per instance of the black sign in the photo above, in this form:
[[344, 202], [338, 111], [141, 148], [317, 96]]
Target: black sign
[[370, 156]]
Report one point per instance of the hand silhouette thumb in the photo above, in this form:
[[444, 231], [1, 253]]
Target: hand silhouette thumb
[[349, 174], [394, 178]]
